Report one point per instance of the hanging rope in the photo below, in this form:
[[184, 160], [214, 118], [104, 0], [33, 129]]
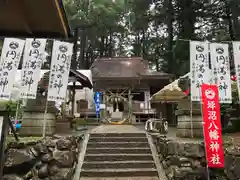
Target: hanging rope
[[188, 40]]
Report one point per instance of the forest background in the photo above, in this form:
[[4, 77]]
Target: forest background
[[156, 30]]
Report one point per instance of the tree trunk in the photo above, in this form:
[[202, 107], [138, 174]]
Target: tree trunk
[[81, 58], [74, 63], [102, 44], [230, 23], [110, 47], [170, 37], [144, 53], [156, 58]]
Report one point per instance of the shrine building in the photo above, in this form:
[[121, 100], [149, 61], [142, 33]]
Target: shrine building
[[125, 86]]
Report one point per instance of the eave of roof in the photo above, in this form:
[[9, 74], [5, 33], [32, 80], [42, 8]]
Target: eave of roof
[[140, 76], [69, 32], [84, 80], [25, 19], [79, 77]]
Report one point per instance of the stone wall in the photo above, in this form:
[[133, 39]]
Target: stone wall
[[185, 160], [54, 158]]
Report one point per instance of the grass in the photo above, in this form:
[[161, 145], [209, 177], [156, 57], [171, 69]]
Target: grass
[[11, 138]]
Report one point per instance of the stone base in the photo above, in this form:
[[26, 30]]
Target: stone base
[[39, 105], [133, 120], [63, 126], [188, 127], [184, 159], [32, 124], [52, 158], [117, 115], [181, 159]]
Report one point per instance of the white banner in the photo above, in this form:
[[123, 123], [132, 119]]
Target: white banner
[[199, 67], [221, 69], [60, 67], [236, 56], [31, 67], [10, 58]]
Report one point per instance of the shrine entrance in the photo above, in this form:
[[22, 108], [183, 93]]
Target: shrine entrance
[[118, 106], [117, 103]]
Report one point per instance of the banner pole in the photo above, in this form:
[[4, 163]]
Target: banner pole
[[191, 116], [201, 103], [44, 120]]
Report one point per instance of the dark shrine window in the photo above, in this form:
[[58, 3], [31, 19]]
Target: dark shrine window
[[138, 96], [154, 90]]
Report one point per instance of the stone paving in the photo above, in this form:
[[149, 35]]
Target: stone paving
[[118, 129]]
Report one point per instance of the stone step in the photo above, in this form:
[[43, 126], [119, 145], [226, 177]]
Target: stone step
[[118, 157], [118, 139], [119, 165], [118, 135], [119, 172], [120, 178], [117, 145], [144, 150]]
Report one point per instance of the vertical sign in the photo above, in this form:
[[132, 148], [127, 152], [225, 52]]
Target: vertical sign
[[97, 103], [221, 69], [199, 67], [60, 67], [212, 126], [236, 54], [10, 58], [31, 67]]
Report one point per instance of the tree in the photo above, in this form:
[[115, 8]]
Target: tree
[[99, 26], [157, 30]]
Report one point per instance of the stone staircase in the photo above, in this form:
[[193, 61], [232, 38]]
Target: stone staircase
[[112, 156]]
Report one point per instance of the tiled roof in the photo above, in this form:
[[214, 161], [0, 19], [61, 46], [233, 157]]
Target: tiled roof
[[119, 67], [84, 80]]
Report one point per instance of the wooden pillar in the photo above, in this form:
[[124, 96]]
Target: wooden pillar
[[105, 102], [73, 104], [73, 98], [130, 106], [63, 107]]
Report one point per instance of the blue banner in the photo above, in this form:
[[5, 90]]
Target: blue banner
[[97, 99]]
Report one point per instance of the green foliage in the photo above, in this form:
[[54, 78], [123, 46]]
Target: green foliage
[[9, 139], [101, 13], [157, 30], [225, 108], [9, 106]]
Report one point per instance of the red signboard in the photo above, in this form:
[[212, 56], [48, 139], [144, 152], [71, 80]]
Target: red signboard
[[212, 126]]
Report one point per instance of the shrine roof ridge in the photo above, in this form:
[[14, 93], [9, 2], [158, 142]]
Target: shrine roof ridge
[[119, 58]]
